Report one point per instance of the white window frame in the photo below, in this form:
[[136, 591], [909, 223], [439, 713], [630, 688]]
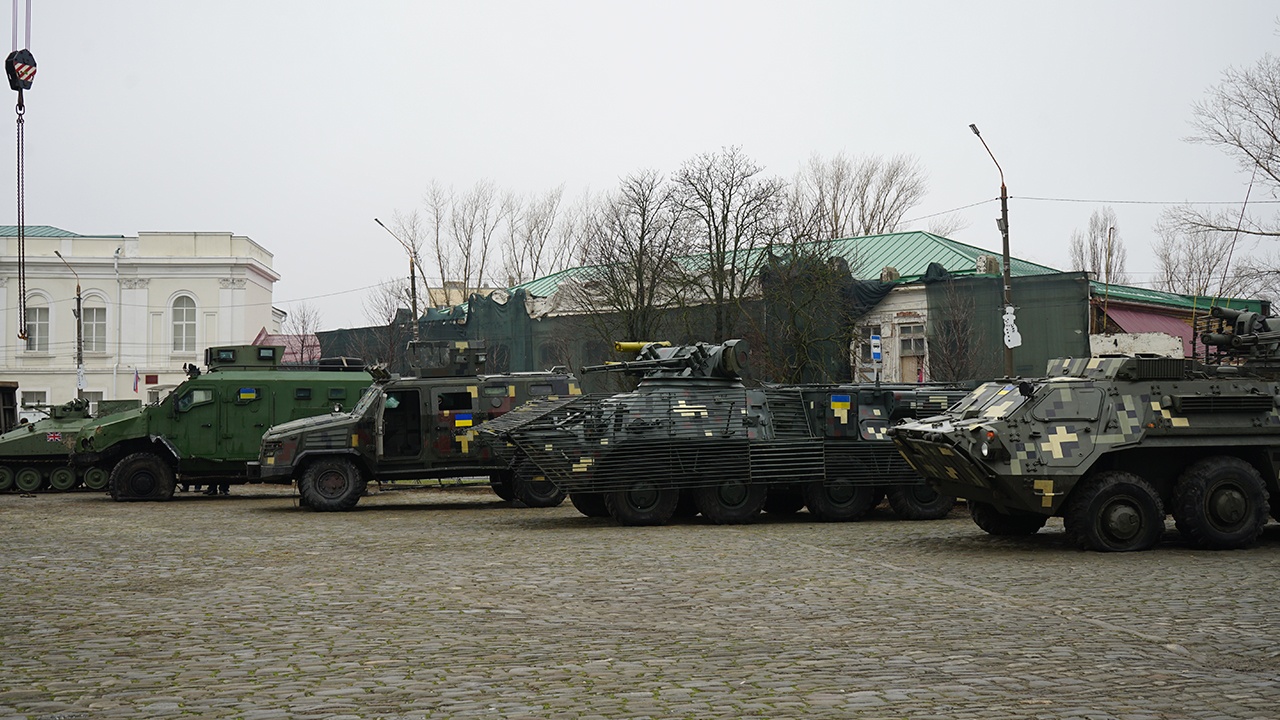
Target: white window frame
[[185, 325]]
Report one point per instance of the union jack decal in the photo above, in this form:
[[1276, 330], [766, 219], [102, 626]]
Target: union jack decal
[[53, 437]]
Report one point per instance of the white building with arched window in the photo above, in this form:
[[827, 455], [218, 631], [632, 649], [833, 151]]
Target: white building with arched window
[[150, 304]]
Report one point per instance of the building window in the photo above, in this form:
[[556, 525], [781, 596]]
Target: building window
[[34, 397], [911, 340], [94, 397], [93, 322], [184, 325], [38, 329]]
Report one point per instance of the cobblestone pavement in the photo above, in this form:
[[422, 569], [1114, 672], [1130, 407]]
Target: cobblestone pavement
[[453, 604]]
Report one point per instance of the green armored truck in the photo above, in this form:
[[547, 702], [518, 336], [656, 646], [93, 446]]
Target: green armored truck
[[210, 426], [414, 427], [1112, 444]]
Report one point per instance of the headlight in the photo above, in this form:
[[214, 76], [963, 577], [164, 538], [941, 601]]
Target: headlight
[[985, 451]]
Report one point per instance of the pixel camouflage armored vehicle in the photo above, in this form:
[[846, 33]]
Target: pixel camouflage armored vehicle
[[692, 437], [414, 427], [1112, 443], [37, 455], [210, 426]]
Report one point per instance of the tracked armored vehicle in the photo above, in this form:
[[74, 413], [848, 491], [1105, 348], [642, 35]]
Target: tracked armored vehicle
[[210, 426], [693, 439], [36, 456], [414, 427], [1112, 444]]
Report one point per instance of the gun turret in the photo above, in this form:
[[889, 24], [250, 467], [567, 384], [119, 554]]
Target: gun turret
[[1248, 335], [726, 361]]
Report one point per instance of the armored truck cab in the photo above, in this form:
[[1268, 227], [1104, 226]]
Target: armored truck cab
[[410, 428], [210, 426], [1111, 444]]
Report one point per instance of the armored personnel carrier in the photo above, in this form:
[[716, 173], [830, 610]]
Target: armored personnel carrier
[[210, 426], [693, 439], [1112, 444], [414, 427], [36, 456]]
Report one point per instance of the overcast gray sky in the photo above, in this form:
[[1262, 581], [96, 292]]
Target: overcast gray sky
[[296, 123]]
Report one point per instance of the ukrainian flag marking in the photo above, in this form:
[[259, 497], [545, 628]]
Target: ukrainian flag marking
[[462, 420]]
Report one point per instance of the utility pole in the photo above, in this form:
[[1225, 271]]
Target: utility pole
[[1012, 337], [413, 282], [79, 330]]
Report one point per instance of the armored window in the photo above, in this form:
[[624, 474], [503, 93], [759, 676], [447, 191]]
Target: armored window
[[225, 355], [184, 324], [337, 393], [93, 323], [544, 389], [302, 393], [911, 340], [267, 354], [192, 398], [1069, 403], [453, 401], [494, 391], [38, 329]]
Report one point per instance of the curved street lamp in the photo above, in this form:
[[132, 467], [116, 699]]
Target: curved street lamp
[[1003, 223], [79, 330]]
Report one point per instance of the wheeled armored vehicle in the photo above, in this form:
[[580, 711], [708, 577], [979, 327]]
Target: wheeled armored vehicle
[[692, 438], [1112, 444], [36, 456], [210, 426], [406, 428]]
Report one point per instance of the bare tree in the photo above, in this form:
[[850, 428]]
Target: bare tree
[[630, 240], [460, 231], [1193, 261], [386, 309], [735, 214], [947, 225], [865, 196], [534, 245], [1099, 250], [300, 327], [956, 340]]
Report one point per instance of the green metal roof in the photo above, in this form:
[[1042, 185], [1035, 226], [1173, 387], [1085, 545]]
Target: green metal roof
[[1126, 293], [46, 231]]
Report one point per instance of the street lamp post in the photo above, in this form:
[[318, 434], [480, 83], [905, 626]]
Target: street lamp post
[[413, 282], [79, 330], [1003, 224]]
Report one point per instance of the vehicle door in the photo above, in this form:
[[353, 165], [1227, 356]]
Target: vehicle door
[[246, 415], [401, 435], [195, 432], [454, 418]]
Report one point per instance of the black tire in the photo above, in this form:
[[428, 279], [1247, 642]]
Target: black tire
[[1275, 506], [589, 503], [1220, 503], [96, 478], [730, 502], [784, 500], [533, 488], [62, 479], [1114, 511], [6, 478], [331, 485], [141, 476], [500, 483], [994, 522], [919, 501], [838, 501], [28, 479], [642, 504]]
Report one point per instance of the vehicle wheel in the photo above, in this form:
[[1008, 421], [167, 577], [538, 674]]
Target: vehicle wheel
[[642, 504], [62, 479], [28, 479], [589, 503], [96, 478], [500, 483], [784, 500], [1220, 503], [331, 485], [533, 488], [1114, 512], [6, 478], [995, 522], [838, 501], [730, 502], [919, 502], [1275, 504], [686, 506], [141, 476]]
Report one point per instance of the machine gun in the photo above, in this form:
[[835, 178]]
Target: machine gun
[[1246, 335], [701, 361]]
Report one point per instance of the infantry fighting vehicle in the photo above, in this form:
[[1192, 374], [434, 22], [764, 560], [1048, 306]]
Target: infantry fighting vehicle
[[1111, 444], [210, 426], [692, 438], [37, 455], [414, 427]]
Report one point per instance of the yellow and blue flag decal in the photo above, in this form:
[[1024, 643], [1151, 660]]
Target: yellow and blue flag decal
[[840, 402], [462, 420]]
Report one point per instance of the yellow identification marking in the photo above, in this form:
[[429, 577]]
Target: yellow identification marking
[[1045, 488], [945, 451], [355, 440], [574, 389], [511, 391], [475, 391], [583, 464], [842, 414], [1053, 445], [951, 473], [1093, 364]]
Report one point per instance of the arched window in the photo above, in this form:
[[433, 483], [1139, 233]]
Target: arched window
[[37, 324], [93, 324], [184, 324]]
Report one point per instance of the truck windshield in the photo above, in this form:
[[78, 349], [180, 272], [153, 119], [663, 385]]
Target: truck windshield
[[991, 400], [371, 395]]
